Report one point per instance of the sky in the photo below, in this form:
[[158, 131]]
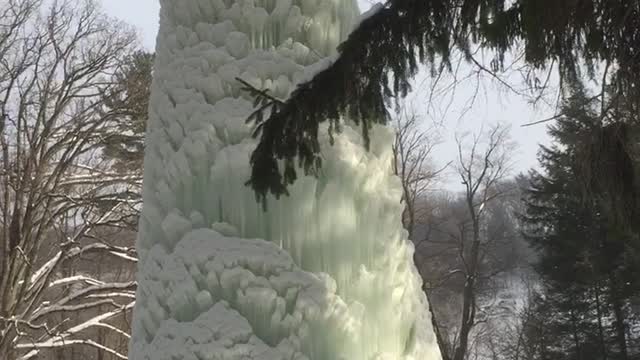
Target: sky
[[492, 104]]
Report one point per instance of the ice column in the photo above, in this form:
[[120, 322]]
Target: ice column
[[324, 274]]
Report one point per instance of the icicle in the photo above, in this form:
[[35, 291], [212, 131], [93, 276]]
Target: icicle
[[323, 274]]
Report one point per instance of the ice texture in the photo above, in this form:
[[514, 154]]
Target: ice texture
[[324, 274]]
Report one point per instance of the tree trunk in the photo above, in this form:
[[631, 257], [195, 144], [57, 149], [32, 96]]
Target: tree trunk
[[468, 315], [576, 336], [603, 348], [619, 323], [468, 296], [445, 351]]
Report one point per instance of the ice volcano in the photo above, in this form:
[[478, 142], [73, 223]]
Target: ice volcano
[[326, 273]]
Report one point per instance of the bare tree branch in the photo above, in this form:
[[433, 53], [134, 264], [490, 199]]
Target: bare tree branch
[[56, 190]]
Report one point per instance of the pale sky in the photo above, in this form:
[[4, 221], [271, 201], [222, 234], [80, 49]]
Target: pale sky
[[491, 104]]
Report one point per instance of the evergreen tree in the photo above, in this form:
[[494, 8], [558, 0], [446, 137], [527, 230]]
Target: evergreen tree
[[588, 260], [129, 102]]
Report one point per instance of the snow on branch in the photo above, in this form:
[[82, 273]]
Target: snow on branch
[[61, 305], [118, 251], [59, 194], [103, 179], [63, 339]]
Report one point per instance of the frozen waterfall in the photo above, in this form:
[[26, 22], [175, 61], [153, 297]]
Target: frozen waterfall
[[324, 274]]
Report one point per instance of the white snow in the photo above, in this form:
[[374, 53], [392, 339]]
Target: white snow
[[374, 9], [326, 273]]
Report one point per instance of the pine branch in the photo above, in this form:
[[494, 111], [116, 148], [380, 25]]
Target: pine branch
[[260, 95], [377, 62], [360, 84]]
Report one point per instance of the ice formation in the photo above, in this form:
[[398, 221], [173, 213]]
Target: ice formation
[[324, 274]]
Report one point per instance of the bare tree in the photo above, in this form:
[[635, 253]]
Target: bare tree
[[56, 58], [467, 246], [480, 168], [412, 149]]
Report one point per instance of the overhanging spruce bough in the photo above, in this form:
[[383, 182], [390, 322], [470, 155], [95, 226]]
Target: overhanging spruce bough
[[323, 274], [382, 54]]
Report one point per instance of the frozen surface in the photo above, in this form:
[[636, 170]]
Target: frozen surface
[[324, 274]]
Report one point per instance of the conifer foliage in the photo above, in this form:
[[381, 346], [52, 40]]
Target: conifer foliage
[[378, 60], [588, 261], [128, 102]]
